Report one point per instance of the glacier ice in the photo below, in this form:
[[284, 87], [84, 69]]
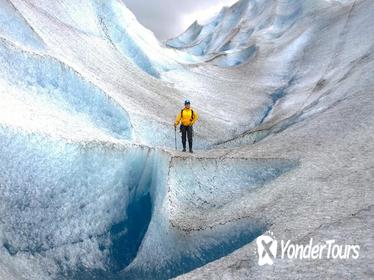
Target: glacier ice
[[89, 184], [185, 241], [46, 208], [228, 34], [15, 27], [58, 84], [111, 20], [87, 225]]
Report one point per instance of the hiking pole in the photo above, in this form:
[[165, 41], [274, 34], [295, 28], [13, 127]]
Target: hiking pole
[[175, 137]]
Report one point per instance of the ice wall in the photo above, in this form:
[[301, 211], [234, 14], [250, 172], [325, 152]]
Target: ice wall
[[59, 199], [95, 208], [186, 231], [56, 84]]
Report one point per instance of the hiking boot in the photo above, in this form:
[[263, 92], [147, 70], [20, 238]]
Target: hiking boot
[[191, 151], [184, 150]]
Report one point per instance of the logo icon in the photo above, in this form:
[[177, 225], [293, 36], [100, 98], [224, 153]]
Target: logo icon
[[267, 249]]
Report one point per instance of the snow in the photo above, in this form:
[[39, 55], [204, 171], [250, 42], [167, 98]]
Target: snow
[[90, 186]]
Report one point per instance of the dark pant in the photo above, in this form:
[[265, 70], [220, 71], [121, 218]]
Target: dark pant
[[186, 131]]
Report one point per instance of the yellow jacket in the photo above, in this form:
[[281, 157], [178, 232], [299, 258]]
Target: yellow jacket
[[185, 116]]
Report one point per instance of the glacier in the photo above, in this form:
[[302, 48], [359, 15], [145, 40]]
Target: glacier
[[91, 186]]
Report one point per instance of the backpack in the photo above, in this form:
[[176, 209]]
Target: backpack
[[192, 115]]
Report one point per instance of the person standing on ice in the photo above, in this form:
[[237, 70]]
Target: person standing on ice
[[187, 117]]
